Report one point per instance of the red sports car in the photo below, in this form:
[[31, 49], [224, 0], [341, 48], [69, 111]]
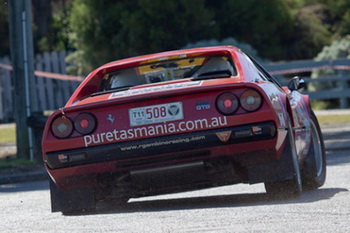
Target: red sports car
[[178, 121]]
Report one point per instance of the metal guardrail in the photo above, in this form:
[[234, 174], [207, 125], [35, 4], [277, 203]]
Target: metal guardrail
[[300, 66], [340, 90]]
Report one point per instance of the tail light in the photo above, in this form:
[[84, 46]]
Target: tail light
[[85, 123], [227, 103], [62, 127], [250, 100]]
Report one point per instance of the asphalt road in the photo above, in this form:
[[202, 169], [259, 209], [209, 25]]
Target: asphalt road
[[25, 207]]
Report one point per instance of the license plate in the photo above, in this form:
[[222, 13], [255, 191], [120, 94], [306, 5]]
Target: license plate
[[156, 114]]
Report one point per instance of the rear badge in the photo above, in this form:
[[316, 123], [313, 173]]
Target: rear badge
[[224, 136], [173, 110], [110, 118], [202, 105]]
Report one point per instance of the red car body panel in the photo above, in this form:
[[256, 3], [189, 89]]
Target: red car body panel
[[116, 147]]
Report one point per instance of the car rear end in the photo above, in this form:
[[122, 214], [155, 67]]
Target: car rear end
[[197, 134], [167, 123]]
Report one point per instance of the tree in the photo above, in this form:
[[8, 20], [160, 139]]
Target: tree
[[278, 29], [107, 30], [4, 30], [337, 50], [128, 28], [227, 41], [267, 26], [60, 25], [311, 32], [50, 25], [42, 19], [339, 16]]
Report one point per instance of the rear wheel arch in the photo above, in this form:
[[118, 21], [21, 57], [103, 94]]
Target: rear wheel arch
[[292, 186]]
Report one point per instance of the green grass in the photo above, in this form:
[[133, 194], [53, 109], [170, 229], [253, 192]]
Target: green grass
[[15, 163], [8, 135], [8, 162], [334, 119]]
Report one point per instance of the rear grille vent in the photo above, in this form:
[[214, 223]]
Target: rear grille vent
[[169, 159]]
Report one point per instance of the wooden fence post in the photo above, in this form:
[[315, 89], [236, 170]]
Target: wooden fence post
[[41, 84], [49, 82]]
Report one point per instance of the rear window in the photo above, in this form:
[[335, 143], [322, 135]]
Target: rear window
[[163, 71]]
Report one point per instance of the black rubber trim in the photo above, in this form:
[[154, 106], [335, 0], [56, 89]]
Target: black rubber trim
[[174, 144]]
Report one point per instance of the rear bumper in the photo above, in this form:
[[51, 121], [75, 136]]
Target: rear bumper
[[153, 159], [140, 152]]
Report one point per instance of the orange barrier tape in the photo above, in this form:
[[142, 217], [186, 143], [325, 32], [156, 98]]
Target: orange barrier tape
[[49, 74], [58, 76], [6, 67]]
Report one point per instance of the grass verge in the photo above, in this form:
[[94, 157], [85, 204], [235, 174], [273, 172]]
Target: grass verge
[[6, 164], [333, 119], [8, 134]]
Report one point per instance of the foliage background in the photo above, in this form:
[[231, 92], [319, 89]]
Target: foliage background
[[101, 31]]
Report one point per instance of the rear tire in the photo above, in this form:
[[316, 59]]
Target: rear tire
[[293, 187], [314, 169]]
